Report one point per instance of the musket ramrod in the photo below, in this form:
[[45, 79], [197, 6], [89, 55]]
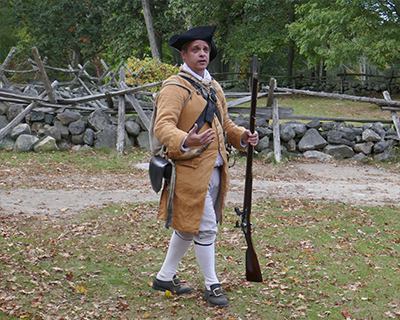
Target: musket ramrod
[[253, 272]]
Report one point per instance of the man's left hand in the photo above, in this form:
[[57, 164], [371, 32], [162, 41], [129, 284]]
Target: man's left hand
[[249, 137]]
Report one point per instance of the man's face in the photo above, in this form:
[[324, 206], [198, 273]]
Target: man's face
[[197, 56]]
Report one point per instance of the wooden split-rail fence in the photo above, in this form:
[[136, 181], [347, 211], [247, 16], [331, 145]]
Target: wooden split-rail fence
[[97, 91]]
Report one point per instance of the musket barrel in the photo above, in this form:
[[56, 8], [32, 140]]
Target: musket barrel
[[253, 272]]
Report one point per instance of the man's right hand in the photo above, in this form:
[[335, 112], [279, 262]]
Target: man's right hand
[[194, 139]]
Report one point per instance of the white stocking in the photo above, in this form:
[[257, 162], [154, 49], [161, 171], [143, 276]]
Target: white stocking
[[206, 257], [177, 249]]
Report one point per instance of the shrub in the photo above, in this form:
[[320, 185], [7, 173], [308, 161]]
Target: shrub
[[148, 71]]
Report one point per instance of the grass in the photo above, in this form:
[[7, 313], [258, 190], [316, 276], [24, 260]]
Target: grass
[[318, 260], [96, 161], [314, 106], [324, 107]]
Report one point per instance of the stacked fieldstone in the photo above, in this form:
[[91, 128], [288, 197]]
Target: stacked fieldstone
[[42, 131], [327, 140]]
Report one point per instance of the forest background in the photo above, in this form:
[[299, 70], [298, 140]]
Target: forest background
[[290, 37]]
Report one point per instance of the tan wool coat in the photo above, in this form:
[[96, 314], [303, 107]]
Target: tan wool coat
[[172, 123]]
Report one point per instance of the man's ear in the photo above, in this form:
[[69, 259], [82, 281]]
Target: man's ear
[[183, 55]]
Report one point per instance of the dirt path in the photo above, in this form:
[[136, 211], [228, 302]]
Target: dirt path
[[342, 182]]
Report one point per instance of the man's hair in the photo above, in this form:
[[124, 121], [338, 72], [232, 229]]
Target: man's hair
[[185, 47]]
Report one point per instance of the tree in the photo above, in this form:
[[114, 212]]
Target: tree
[[245, 28], [150, 30], [6, 32], [291, 46], [64, 30], [127, 31], [343, 31], [70, 31]]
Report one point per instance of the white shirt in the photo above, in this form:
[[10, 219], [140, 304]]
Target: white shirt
[[207, 75]]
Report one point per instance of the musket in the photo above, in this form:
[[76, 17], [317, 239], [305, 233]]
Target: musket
[[253, 272]]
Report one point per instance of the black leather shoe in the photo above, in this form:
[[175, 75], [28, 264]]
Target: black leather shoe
[[215, 296], [174, 286]]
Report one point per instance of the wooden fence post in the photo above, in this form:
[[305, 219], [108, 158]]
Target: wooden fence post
[[121, 117], [7, 61], [5, 64], [130, 98], [273, 102], [43, 74], [277, 136], [395, 117]]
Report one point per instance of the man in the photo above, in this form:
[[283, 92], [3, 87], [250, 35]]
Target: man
[[192, 116]]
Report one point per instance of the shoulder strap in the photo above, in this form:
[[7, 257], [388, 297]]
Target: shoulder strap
[[181, 85], [156, 147], [206, 96]]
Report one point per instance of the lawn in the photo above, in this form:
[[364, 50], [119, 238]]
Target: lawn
[[318, 261], [324, 107]]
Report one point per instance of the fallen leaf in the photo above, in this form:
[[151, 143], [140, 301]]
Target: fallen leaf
[[27, 292], [57, 269], [81, 289], [301, 308], [69, 276], [346, 313]]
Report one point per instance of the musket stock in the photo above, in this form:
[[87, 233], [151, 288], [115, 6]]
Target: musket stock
[[253, 271]]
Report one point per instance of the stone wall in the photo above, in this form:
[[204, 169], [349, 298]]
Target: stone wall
[[351, 87], [348, 87], [326, 140], [41, 131]]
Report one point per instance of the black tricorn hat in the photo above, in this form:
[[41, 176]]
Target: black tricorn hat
[[198, 33]]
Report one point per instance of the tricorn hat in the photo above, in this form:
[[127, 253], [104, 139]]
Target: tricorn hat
[[198, 33]]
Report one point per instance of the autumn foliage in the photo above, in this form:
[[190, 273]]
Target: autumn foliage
[[149, 70]]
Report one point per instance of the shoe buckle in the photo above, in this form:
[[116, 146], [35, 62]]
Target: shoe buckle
[[217, 292], [176, 282]]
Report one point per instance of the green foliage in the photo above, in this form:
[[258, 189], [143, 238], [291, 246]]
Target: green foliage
[[6, 32], [125, 29], [331, 32], [149, 70], [244, 28], [342, 31], [260, 29], [63, 30]]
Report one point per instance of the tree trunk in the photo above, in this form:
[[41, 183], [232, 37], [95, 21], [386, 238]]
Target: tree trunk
[[323, 72], [289, 62], [290, 58], [159, 41], [77, 57], [177, 59], [150, 30]]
